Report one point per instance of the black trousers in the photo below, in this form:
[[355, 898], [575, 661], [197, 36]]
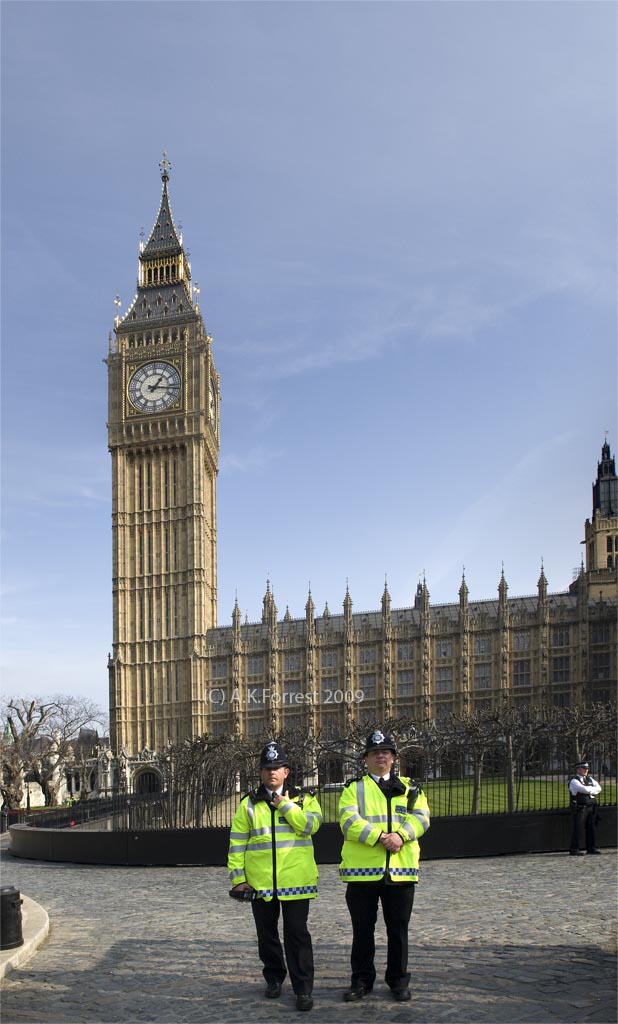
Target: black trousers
[[362, 900], [583, 833], [296, 940]]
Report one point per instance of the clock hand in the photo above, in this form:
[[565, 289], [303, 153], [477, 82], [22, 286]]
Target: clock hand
[[153, 387]]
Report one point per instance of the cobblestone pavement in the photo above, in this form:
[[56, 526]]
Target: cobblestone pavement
[[503, 940]]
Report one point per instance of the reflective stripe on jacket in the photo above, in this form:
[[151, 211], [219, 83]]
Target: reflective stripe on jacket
[[272, 850], [364, 814]]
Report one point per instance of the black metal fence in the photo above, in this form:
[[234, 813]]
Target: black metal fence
[[489, 792]]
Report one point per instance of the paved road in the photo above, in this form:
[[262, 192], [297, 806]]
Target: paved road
[[505, 940]]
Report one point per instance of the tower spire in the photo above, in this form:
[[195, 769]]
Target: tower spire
[[164, 272], [605, 490], [164, 237]]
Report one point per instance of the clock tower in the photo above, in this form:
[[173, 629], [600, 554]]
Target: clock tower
[[163, 435]]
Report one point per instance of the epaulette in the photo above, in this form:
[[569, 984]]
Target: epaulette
[[357, 778], [306, 792]]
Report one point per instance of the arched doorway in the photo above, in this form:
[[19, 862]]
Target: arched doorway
[[148, 782]]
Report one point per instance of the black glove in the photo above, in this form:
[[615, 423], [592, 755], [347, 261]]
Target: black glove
[[243, 894]]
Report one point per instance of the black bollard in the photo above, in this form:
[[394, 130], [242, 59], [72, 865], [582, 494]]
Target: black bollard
[[10, 917]]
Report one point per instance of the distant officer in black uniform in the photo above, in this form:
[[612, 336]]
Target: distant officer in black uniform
[[584, 790]]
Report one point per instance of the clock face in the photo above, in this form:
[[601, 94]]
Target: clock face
[[154, 387]]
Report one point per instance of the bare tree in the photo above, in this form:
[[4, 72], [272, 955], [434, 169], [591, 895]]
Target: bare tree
[[37, 738], [345, 747], [586, 727], [202, 774], [477, 732]]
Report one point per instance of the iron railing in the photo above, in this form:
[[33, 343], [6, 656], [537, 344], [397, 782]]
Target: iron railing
[[480, 793]]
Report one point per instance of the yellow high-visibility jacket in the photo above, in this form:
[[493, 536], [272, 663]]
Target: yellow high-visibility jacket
[[365, 813], [272, 850]]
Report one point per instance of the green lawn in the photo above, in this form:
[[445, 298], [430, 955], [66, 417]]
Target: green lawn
[[453, 798]]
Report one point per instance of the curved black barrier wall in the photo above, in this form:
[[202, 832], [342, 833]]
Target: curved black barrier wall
[[471, 836]]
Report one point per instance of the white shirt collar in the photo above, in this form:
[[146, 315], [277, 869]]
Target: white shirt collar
[[376, 778]]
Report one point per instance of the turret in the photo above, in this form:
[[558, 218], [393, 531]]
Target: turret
[[386, 606], [503, 619], [269, 609], [503, 589], [605, 490], [601, 531], [236, 618], [464, 594], [543, 617], [310, 613]]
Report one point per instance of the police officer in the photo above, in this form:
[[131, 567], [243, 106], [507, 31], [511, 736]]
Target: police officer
[[584, 790], [382, 817], [271, 857]]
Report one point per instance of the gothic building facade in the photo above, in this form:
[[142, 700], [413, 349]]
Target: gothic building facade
[[174, 673]]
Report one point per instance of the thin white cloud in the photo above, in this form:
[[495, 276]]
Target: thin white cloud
[[356, 346], [55, 478], [465, 297], [477, 521], [255, 459], [461, 315]]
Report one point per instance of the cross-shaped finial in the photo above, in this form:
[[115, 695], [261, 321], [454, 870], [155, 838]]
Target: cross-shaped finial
[[165, 166]]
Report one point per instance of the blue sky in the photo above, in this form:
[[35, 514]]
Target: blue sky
[[402, 219]]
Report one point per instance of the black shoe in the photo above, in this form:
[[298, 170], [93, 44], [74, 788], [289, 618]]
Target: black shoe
[[355, 992], [273, 990], [577, 853], [401, 995], [304, 1002], [596, 850]]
